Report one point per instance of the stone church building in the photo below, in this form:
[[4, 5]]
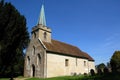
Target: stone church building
[[46, 57]]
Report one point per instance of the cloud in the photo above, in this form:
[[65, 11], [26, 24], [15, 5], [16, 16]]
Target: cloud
[[112, 41], [105, 49]]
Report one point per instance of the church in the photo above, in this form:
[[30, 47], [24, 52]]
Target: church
[[46, 57]]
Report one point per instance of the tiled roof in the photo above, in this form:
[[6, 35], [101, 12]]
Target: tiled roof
[[66, 49]]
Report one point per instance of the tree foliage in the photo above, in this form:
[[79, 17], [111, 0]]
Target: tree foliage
[[14, 37], [115, 61], [101, 66]]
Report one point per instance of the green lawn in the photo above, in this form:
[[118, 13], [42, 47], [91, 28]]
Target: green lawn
[[109, 76], [4, 78], [59, 78]]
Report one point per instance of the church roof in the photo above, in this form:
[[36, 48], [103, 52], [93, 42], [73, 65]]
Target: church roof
[[66, 49]]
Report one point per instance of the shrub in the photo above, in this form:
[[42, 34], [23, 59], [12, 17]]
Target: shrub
[[99, 72], [106, 71], [85, 74]]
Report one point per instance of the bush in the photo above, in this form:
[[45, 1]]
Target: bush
[[106, 71], [85, 74], [99, 72]]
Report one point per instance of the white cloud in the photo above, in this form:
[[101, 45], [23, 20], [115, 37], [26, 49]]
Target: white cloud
[[105, 49], [112, 41]]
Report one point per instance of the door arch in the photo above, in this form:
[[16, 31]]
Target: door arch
[[33, 71]]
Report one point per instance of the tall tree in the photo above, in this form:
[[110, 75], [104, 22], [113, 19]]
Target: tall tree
[[115, 61], [14, 36]]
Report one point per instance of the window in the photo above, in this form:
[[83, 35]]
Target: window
[[45, 35], [66, 62], [33, 50], [28, 60], [84, 63], [76, 62], [38, 59]]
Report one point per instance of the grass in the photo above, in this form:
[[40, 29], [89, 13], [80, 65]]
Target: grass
[[19, 77], [58, 78], [4, 78], [110, 76], [65, 78]]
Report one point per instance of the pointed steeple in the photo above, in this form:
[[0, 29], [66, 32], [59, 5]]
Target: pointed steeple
[[42, 19], [41, 31]]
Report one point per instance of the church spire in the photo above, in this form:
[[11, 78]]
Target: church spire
[[42, 19]]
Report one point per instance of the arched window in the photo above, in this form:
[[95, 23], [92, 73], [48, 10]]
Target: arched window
[[45, 35], [38, 59], [28, 60], [33, 50]]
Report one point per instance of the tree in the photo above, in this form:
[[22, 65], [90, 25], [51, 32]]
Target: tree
[[14, 37], [101, 66], [108, 65], [115, 61]]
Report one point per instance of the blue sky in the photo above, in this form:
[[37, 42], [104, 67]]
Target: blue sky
[[91, 25]]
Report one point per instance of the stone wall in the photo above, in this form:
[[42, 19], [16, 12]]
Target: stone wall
[[91, 65], [34, 59], [56, 65], [41, 32]]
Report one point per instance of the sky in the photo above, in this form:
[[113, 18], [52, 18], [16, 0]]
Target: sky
[[91, 25]]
